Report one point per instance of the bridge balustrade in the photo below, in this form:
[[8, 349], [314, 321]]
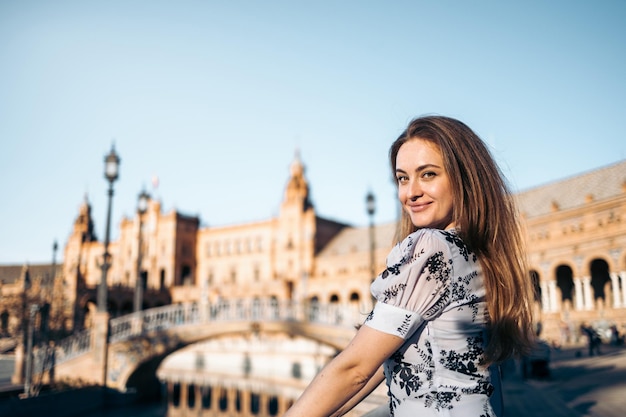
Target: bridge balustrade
[[167, 317], [47, 356]]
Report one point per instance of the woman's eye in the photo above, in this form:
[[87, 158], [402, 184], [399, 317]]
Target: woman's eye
[[429, 174], [401, 178]]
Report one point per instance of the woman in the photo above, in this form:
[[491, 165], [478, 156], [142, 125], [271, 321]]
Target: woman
[[455, 297]]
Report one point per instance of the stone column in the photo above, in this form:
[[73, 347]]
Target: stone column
[[231, 396], [617, 295], [263, 404], [579, 296], [282, 405], [545, 297], [197, 406], [137, 323], [554, 305], [184, 398], [245, 403], [622, 277], [100, 344], [588, 293], [172, 410]]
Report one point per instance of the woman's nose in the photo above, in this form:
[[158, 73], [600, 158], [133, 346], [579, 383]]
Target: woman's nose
[[414, 191]]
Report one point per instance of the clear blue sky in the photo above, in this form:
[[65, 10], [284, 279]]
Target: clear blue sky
[[214, 98]]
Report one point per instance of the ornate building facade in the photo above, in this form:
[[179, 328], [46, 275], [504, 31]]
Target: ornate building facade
[[576, 232]]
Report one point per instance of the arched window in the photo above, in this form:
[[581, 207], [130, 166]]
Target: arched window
[[191, 396], [534, 276], [565, 282], [206, 393], [600, 278]]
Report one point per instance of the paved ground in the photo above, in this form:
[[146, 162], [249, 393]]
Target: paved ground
[[7, 366], [579, 386]]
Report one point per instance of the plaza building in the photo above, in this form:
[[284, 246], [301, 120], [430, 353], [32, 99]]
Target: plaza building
[[576, 237], [575, 228]]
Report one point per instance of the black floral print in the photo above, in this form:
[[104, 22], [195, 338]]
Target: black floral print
[[464, 362], [393, 291], [430, 371], [453, 238]]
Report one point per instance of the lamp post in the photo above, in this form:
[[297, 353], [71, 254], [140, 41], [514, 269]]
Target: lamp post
[[28, 380], [142, 207], [111, 168], [46, 310], [26, 285], [370, 204], [55, 246], [101, 320]]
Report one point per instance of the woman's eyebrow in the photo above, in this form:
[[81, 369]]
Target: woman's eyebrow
[[426, 166], [420, 168]]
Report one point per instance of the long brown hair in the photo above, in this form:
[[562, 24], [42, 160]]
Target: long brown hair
[[486, 218]]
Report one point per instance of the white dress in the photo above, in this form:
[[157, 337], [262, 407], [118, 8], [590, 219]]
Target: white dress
[[432, 295]]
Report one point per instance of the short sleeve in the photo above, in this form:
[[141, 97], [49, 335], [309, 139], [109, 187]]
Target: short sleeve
[[415, 286]]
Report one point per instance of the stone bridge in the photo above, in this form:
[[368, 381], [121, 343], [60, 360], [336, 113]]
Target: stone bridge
[[113, 349]]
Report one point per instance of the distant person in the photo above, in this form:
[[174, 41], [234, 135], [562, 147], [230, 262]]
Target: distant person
[[593, 338], [616, 338], [565, 334], [455, 299]]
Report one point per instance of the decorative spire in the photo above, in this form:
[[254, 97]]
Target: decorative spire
[[83, 225], [297, 187], [297, 168]]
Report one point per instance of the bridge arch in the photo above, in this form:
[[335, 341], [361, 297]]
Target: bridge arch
[[144, 338]]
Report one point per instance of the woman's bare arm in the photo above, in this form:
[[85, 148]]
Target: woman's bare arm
[[372, 384], [346, 375]]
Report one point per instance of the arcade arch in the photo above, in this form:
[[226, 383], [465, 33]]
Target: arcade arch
[[600, 279]]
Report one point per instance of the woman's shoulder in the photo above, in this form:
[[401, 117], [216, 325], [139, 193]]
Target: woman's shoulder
[[432, 241], [432, 236], [422, 242]]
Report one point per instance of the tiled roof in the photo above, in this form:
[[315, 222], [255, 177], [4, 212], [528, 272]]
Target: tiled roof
[[600, 184], [10, 274], [357, 239]]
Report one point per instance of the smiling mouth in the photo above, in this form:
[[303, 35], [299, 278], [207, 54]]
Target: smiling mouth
[[418, 207]]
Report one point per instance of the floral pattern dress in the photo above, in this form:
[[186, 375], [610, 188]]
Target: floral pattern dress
[[432, 295]]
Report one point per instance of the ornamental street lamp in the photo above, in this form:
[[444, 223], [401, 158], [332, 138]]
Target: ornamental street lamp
[[45, 312], [142, 207], [111, 172], [28, 380], [370, 203]]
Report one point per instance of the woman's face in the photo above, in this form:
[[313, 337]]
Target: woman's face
[[424, 187]]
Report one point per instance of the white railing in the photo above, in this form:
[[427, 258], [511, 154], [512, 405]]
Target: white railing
[[162, 318], [46, 357]]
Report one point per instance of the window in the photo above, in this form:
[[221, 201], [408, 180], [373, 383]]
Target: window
[[296, 370], [257, 274]]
